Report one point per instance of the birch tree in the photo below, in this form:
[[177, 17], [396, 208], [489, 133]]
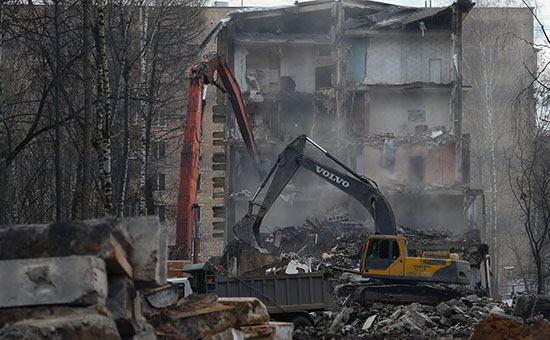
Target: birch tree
[[492, 44]]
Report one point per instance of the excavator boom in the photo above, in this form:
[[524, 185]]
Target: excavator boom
[[203, 74], [288, 162]]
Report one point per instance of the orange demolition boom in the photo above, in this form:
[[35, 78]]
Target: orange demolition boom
[[203, 74]]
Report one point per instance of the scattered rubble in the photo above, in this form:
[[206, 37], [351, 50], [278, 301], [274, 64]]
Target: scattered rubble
[[106, 279], [330, 242]]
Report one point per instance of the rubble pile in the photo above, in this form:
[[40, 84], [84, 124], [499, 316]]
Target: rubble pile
[[467, 245], [454, 319], [106, 279], [205, 316], [319, 234], [331, 238]]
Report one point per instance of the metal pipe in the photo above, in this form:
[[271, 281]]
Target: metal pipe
[[264, 182]]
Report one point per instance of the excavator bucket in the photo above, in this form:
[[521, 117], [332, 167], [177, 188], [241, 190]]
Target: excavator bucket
[[247, 230]]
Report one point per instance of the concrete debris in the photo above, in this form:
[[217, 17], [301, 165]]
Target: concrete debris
[[454, 319], [201, 316], [106, 239], [152, 241], [162, 297], [368, 323], [330, 239], [120, 302], [250, 311], [529, 305], [106, 279], [73, 280], [268, 331], [71, 327]]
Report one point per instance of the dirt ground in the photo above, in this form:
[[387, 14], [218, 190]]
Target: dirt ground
[[495, 328]]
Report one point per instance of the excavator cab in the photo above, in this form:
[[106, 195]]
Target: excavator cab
[[385, 257]]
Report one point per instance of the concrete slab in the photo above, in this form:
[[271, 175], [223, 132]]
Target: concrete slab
[[74, 280], [151, 249], [196, 317], [71, 327], [250, 311], [12, 315], [104, 238], [200, 323], [120, 302], [162, 297], [228, 334], [269, 331]]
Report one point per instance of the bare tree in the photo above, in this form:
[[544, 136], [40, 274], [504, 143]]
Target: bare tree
[[67, 146], [492, 43], [530, 163], [530, 184]]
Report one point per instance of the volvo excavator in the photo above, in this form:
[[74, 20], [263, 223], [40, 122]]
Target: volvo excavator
[[384, 255]]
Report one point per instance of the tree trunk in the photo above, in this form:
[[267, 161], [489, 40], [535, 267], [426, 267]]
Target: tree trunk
[[494, 202], [149, 203], [103, 111], [126, 147], [144, 16], [86, 183], [4, 211], [57, 106], [540, 275]]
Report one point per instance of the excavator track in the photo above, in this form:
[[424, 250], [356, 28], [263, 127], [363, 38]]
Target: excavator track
[[403, 293]]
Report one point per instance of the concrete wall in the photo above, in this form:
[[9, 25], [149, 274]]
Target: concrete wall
[[431, 210], [296, 62], [385, 164], [402, 59], [389, 110]]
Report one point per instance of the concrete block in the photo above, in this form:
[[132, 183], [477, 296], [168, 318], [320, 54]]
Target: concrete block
[[104, 238], [228, 334], [150, 249], [204, 322], [199, 316], [147, 333], [162, 297], [74, 280], [71, 327], [269, 331], [12, 315], [120, 302], [250, 311]]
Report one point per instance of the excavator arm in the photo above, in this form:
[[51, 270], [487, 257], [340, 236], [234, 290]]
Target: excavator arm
[[289, 161], [203, 74]]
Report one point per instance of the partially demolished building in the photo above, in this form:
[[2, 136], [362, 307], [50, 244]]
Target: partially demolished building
[[380, 85]]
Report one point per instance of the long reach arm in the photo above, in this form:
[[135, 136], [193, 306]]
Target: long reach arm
[[203, 74], [357, 186]]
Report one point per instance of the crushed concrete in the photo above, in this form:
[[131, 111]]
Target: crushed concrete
[[454, 319]]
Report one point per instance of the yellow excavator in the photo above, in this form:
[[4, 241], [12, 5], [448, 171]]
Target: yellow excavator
[[384, 255]]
